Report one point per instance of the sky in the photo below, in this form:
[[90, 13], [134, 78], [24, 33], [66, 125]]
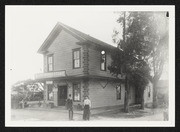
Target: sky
[[28, 26]]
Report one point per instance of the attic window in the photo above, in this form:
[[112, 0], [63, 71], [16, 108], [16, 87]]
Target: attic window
[[103, 60]]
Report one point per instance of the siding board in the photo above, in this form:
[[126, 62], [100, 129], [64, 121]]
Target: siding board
[[104, 97], [62, 49], [94, 63]]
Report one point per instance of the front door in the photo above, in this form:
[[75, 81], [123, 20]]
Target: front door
[[62, 95]]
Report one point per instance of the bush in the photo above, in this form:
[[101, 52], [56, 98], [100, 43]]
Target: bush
[[36, 96], [163, 99], [15, 101]]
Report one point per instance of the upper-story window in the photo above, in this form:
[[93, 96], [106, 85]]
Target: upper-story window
[[50, 62], [103, 60], [76, 58]]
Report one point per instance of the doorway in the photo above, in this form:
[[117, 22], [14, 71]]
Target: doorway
[[62, 95], [137, 96]]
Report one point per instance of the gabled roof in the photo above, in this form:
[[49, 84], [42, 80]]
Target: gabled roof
[[84, 38]]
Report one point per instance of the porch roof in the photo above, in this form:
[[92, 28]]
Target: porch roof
[[43, 79]]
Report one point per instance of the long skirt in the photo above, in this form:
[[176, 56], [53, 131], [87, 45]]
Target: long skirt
[[86, 114], [70, 114]]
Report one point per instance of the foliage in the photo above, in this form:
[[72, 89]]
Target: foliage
[[132, 53], [141, 54], [28, 90]]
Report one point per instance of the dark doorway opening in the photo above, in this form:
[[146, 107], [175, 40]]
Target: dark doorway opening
[[62, 95], [137, 96]]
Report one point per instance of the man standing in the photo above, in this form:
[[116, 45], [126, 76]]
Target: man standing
[[70, 107], [87, 106]]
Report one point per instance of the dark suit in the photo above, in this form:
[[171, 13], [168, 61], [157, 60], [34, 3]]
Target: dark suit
[[70, 108]]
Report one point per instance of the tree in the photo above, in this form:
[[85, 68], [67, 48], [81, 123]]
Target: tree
[[136, 72], [140, 79], [140, 49], [27, 89], [158, 37]]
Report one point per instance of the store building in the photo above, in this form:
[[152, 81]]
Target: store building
[[76, 63]]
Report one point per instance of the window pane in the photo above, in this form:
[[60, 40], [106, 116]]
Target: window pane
[[76, 59], [76, 54], [149, 92], [50, 59], [76, 95], [50, 67], [103, 57], [118, 92], [76, 92], [103, 60], [76, 63], [50, 63], [102, 66], [50, 92]]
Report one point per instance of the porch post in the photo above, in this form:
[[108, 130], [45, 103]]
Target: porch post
[[55, 90], [45, 92], [44, 87], [85, 88]]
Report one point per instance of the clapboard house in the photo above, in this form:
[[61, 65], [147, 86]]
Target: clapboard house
[[76, 63]]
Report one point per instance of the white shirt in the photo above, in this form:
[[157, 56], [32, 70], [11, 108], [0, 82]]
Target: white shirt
[[87, 102]]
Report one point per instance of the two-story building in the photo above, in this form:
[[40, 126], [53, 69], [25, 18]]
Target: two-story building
[[76, 63]]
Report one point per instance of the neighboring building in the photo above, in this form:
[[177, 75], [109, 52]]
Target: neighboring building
[[163, 91], [76, 63], [163, 86]]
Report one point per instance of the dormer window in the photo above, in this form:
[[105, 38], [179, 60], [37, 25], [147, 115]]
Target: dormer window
[[50, 62], [103, 60], [76, 58]]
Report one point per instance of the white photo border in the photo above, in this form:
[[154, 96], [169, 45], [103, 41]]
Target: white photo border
[[170, 123]]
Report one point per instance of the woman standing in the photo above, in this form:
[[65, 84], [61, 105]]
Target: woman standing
[[87, 106]]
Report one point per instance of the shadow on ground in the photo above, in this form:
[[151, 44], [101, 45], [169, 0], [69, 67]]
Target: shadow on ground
[[134, 112]]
